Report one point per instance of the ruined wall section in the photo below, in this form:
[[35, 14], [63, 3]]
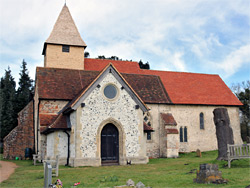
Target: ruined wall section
[[22, 136]]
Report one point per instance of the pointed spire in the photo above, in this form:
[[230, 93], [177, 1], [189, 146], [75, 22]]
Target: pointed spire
[[65, 30]]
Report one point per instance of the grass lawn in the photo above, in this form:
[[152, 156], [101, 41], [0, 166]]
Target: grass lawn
[[158, 173]]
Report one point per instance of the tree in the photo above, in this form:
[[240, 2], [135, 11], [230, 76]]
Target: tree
[[86, 54], [144, 65], [242, 91], [25, 89], [8, 117]]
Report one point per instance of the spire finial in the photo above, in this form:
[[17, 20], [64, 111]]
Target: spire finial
[[65, 3]]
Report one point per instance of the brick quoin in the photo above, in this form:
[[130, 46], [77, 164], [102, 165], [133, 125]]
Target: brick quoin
[[22, 136]]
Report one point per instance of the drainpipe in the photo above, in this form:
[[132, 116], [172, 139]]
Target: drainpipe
[[68, 147]]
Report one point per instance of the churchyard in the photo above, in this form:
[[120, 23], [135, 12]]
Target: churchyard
[[161, 172]]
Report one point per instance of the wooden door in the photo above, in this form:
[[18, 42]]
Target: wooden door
[[110, 144]]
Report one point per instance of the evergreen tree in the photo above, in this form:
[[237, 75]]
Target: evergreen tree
[[8, 117], [25, 89]]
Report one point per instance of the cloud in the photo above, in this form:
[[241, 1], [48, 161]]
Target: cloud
[[172, 35], [233, 61]]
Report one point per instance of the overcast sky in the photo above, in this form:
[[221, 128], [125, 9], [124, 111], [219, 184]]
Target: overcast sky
[[201, 36]]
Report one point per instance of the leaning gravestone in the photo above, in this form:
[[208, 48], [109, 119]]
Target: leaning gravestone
[[224, 132]]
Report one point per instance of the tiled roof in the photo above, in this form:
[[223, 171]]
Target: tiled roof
[[121, 66], [182, 88], [65, 30], [54, 83], [149, 88], [60, 122], [168, 119], [193, 88], [47, 119], [53, 122], [66, 84]]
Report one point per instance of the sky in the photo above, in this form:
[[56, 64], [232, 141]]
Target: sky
[[200, 36]]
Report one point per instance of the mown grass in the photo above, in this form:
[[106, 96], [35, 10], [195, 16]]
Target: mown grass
[[158, 173]]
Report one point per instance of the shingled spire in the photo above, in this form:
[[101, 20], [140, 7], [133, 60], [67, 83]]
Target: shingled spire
[[65, 30], [64, 48]]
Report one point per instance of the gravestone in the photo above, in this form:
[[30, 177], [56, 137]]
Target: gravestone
[[209, 173], [198, 153], [130, 183], [224, 132], [47, 175], [140, 185]]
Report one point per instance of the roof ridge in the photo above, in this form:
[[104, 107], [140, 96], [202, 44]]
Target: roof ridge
[[149, 70], [111, 60]]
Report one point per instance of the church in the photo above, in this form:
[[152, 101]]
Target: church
[[94, 112]]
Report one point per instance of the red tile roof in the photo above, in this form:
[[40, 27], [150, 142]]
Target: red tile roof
[[193, 88], [168, 119], [121, 66], [182, 88]]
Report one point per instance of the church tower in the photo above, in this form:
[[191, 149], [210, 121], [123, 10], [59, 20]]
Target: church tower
[[64, 48]]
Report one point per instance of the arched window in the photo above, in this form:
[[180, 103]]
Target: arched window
[[181, 134], [185, 134], [201, 120]]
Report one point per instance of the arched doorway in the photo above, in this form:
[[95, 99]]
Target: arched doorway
[[109, 144]]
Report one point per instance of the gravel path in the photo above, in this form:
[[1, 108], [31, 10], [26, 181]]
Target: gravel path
[[6, 169]]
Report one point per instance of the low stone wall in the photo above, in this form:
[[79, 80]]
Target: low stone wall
[[22, 136]]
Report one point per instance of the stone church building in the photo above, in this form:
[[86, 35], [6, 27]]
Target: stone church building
[[92, 112]]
